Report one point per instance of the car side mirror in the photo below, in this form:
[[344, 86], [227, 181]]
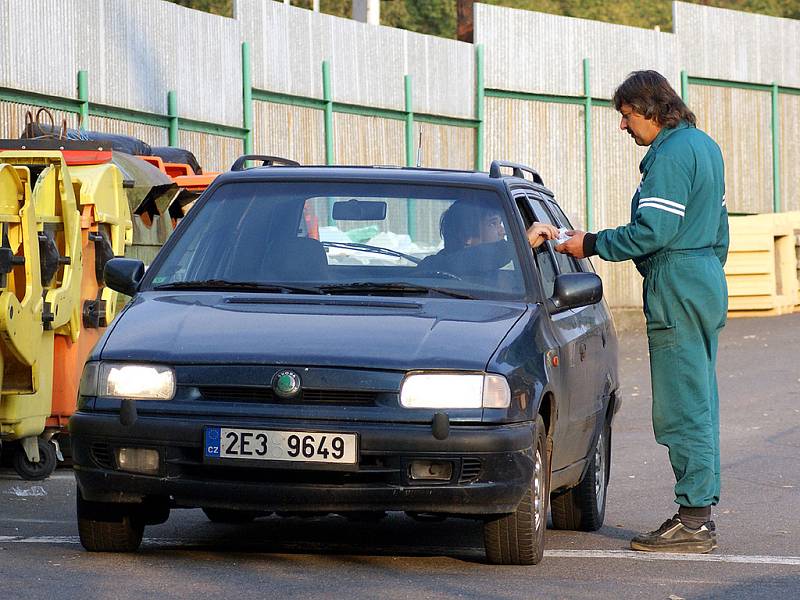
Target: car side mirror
[[123, 275], [573, 290]]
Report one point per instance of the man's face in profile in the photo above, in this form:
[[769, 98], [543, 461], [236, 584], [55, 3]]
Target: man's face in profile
[[492, 229]]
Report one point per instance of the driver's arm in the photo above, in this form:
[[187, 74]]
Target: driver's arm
[[539, 232]]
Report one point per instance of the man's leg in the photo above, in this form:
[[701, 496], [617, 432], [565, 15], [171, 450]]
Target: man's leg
[[684, 415]]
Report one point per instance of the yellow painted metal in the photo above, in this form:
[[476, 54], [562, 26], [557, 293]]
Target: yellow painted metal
[[101, 189], [51, 209], [23, 376], [24, 415], [56, 210], [21, 296]]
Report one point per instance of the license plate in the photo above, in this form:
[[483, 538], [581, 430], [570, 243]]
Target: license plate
[[297, 446]]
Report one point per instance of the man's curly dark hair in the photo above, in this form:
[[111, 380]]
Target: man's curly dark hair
[[651, 95]]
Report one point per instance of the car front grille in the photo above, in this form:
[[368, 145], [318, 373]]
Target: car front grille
[[470, 470], [266, 395], [372, 470], [102, 456]]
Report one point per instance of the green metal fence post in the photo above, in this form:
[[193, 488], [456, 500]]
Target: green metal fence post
[[326, 96], [83, 96], [247, 99], [587, 145], [685, 86], [172, 113], [411, 209], [776, 158], [480, 100], [409, 124]]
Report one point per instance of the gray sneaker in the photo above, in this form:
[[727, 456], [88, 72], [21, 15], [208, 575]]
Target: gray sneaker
[[712, 527], [674, 536]]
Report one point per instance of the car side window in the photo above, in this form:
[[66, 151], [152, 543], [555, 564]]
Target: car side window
[[583, 264], [542, 255], [564, 262]]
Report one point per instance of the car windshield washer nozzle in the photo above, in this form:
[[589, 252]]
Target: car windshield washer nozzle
[[127, 412], [440, 425]]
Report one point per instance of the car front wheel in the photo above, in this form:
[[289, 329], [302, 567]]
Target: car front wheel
[[518, 538], [108, 527], [583, 508]]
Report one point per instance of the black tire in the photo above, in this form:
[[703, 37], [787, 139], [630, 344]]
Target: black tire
[[583, 508], [108, 527], [36, 471], [227, 515], [518, 538]]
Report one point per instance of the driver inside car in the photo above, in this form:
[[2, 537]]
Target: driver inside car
[[475, 240]]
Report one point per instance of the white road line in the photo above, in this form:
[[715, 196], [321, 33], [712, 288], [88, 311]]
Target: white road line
[[654, 556], [616, 554], [44, 539], [60, 522], [6, 475]]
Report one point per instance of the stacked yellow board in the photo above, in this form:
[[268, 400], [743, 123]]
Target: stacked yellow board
[[762, 268]]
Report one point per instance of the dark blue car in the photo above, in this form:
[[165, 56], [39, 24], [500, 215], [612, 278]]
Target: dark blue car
[[353, 340]]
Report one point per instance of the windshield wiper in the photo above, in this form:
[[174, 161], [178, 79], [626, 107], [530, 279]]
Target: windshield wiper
[[223, 284], [373, 250], [376, 287]]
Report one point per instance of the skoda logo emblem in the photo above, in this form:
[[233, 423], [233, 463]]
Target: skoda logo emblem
[[286, 384]]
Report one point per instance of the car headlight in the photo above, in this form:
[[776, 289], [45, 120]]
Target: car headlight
[[127, 380], [455, 390]]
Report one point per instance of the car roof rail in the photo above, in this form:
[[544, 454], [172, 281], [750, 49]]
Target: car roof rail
[[266, 161], [517, 170]]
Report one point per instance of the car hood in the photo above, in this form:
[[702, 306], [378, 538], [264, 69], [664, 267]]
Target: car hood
[[380, 333]]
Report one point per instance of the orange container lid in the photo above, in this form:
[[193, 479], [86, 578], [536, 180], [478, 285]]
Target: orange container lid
[[196, 182]]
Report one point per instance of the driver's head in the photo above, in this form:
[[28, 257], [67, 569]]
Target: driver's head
[[467, 223]]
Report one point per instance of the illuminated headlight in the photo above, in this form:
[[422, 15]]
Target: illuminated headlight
[[455, 390], [138, 382]]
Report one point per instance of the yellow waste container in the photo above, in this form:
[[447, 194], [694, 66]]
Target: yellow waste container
[[39, 300], [106, 230]]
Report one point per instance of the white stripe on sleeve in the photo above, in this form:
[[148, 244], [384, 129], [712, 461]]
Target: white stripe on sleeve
[[659, 206], [671, 203]]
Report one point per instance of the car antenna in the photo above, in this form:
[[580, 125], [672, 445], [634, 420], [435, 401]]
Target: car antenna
[[419, 149]]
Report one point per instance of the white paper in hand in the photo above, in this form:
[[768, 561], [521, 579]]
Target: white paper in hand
[[562, 236]]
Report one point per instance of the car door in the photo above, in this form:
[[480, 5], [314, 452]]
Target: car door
[[577, 410], [595, 323], [565, 336]]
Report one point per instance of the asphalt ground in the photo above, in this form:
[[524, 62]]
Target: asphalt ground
[[330, 557]]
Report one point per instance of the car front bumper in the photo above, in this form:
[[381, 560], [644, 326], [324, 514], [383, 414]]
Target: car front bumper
[[491, 467]]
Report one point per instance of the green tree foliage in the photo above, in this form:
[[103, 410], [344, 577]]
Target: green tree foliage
[[217, 7], [438, 17]]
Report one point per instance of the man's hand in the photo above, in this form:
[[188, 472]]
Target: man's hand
[[539, 232], [573, 246]]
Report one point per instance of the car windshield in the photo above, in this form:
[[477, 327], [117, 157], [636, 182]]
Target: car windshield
[[345, 238]]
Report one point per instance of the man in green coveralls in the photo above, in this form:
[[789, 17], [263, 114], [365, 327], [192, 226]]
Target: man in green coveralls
[[678, 240]]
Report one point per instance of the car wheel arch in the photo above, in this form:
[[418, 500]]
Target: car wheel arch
[[547, 408]]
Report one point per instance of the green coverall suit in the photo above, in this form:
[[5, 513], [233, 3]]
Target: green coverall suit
[[678, 239]]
